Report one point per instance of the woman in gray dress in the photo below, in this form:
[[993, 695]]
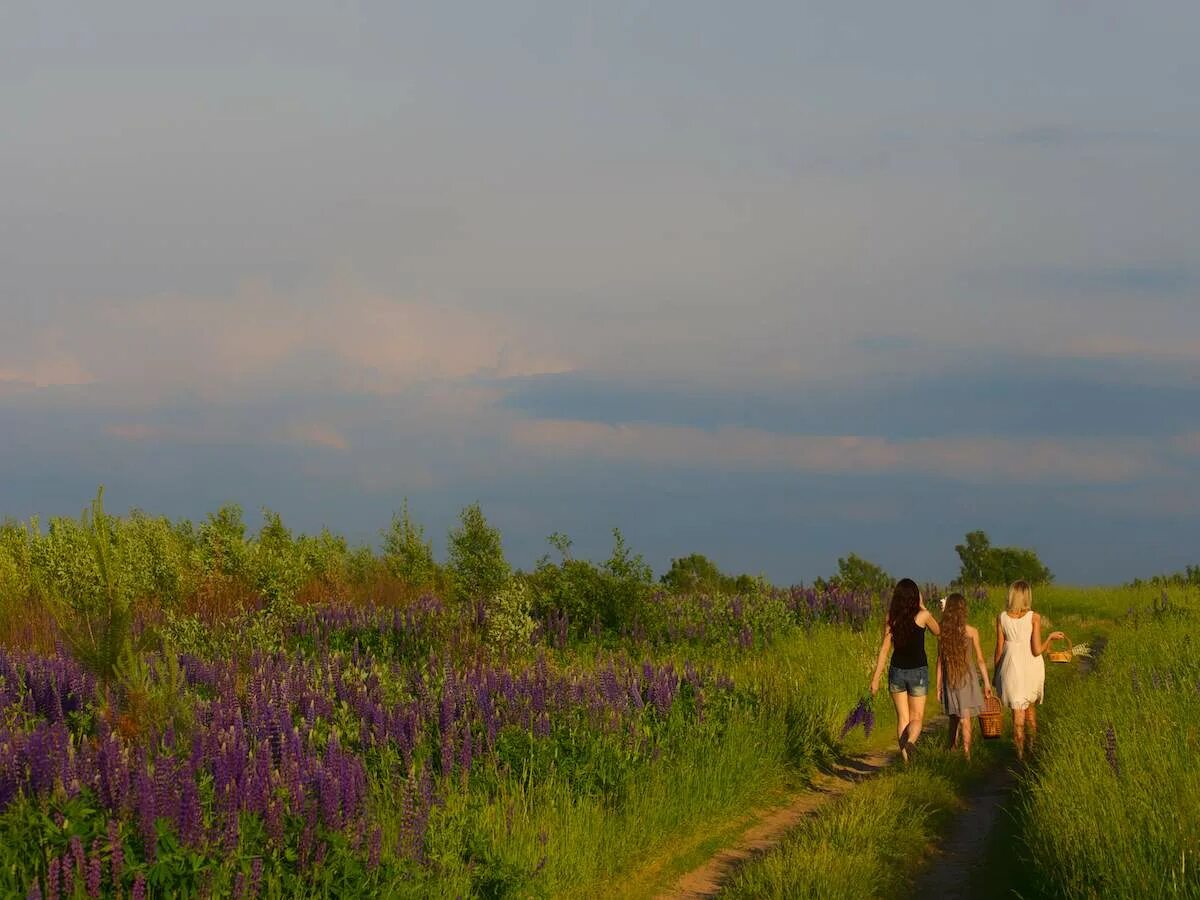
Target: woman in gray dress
[[958, 673]]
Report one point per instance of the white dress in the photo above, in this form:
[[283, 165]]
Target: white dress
[[1021, 676]]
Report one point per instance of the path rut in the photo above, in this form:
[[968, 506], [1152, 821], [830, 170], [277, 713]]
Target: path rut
[[707, 880]]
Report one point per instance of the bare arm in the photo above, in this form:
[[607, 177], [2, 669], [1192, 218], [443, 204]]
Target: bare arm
[[987, 683], [884, 648], [938, 689], [925, 618], [1035, 637], [999, 642]]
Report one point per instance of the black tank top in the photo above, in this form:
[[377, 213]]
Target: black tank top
[[908, 647]]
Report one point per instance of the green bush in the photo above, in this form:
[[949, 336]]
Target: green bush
[[477, 561], [406, 553], [981, 563]]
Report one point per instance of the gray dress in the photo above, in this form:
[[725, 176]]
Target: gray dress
[[965, 700]]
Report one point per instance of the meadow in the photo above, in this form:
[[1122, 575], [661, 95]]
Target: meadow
[[191, 709]]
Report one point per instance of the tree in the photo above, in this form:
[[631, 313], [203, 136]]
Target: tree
[[697, 573], [858, 574], [973, 555], [981, 563], [406, 553], [477, 557]]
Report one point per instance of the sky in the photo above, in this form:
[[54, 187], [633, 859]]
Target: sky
[[772, 282]]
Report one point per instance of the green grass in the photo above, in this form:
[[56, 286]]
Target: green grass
[[541, 838], [1128, 826], [871, 842]]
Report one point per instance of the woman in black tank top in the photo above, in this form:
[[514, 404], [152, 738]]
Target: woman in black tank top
[[908, 675]]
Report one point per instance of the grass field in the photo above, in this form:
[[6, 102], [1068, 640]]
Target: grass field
[[1108, 807], [190, 711]]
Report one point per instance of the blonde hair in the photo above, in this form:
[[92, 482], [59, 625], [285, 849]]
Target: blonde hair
[[1020, 597]]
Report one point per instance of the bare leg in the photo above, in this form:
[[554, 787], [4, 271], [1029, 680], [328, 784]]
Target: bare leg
[[965, 727], [916, 713], [1031, 726], [1019, 732], [952, 733], [902, 719]]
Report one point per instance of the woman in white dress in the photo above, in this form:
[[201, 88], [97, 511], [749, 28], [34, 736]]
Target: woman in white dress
[[1020, 669]]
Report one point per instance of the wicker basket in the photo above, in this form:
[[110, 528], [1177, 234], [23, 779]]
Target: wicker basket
[[1062, 656], [990, 718]]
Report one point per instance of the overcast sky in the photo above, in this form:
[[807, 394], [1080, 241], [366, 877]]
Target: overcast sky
[[769, 281]]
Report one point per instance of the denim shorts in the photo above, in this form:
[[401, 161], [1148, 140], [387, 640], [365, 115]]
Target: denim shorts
[[914, 682]]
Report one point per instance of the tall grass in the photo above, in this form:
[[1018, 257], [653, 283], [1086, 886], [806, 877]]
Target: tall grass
[[870, 842], [1113, 806]]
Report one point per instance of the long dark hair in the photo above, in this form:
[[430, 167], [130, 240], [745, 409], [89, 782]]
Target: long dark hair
[[906, 603], [953, 643]]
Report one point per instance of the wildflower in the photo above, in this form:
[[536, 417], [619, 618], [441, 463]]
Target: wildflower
[[1110, 749], [95, 870], [256, 873], [373, 854], [863, 714], [116, 851], [52, 878]]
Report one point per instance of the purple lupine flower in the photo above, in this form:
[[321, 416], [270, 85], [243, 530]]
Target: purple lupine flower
[[77, 855], [190, 820], [376, 848], [256, 873], [95, 870], [68, 877], [116, 851], [852, 721], [52, 875], [464, 752], [35, 892], [1110, 750], [863, 714]]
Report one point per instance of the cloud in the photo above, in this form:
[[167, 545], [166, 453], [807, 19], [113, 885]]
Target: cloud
[[318, 435], [337, 336], [732, 448], [26, 370], [1070, 135], [1123, 346], [136, 431]]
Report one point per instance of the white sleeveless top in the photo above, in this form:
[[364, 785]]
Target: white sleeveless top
[[1021, 676]]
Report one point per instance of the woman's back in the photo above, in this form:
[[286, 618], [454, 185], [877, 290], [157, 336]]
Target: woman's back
[[1017, 631], [1021, 676], [908, 645]]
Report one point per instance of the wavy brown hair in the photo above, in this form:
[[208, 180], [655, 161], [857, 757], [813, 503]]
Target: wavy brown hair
[[906, 603], [953, 643]]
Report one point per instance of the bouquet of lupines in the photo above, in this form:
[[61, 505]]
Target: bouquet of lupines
[[863, 714]]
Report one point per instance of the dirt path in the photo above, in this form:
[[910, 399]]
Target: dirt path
[[954, 869], [957, 867], [770, 828]]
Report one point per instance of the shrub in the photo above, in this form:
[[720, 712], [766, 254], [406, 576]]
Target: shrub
[[477, 561], [406, 553], [984, 564], [509, 619]]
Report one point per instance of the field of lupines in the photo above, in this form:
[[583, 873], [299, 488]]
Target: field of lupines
[[193, 711]]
